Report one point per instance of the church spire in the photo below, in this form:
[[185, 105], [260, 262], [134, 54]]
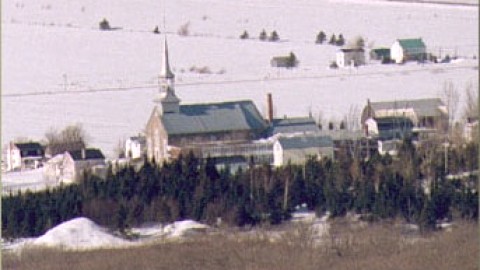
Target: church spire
[[165, 71], [167, 99]]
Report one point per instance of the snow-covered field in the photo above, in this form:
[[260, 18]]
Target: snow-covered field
[[82, 234], [59, 69]]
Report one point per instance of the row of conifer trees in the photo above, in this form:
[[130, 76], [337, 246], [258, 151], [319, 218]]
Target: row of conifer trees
[[381, 187]]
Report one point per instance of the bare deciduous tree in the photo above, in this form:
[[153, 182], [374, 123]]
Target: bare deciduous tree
[[471, 105], [451, 98], [69, 139], [352, 119]]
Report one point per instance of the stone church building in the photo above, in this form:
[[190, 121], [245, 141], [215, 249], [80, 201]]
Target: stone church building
[[173, 128]]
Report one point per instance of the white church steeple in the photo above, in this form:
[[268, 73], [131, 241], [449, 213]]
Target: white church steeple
[[169, 102]]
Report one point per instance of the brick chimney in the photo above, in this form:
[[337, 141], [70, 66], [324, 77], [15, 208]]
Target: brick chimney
[[269, 116]]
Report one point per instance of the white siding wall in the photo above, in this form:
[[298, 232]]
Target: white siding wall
[[372, 126], [133, 148], [277, 154], [13, 159], [396, 52]]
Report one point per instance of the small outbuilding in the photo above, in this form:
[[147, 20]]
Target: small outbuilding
[[350, 57], [381, 54], [289, 61], [297, 149]]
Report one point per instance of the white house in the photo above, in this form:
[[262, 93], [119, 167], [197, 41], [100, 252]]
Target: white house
[[408, 49], [23, 156], [297, 149], [425, 114], [135, 147], [350, 57], [388, 128], [70, 166]]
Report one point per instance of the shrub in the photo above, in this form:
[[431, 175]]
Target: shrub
[[263, 35], [321, 37], [184, 30], [244, 35], [274, 36]]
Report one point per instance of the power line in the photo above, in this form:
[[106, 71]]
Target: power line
[[253, 80]]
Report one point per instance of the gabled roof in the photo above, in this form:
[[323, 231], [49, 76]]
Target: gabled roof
[[421, 107], [29, 146], [412, 43], [347, 50], [30, 149], [302, 142], [213, 118], [293, 125], [382, 52], [90, 153]]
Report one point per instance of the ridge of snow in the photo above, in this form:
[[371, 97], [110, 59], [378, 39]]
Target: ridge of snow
[[79, 233]]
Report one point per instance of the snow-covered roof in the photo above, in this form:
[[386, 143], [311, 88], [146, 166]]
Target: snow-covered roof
[[213, 118], [293, 125], [422, 107]]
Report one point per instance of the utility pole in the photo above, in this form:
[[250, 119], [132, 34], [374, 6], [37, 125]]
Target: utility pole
[[285, 194], [65, 82]]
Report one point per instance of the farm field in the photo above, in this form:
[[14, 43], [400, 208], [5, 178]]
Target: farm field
[[59, 69]]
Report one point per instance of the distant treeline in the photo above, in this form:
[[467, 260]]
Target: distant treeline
[[381, 187]]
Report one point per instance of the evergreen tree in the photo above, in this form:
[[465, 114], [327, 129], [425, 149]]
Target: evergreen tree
[[292, 60], [321, 37], [274, 36], [333, 40], [263, 35], [244, 35], [340, 41]]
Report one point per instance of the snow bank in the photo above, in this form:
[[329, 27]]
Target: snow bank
[[79, 233], [184, 228]]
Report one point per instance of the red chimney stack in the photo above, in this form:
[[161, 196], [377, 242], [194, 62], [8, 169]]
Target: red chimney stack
[[269, 108]]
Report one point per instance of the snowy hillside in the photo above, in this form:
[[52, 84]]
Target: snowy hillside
[[59, 69]]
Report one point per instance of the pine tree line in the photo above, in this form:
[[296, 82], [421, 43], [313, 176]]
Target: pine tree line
[[381, 187]]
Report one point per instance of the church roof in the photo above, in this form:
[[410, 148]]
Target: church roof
[[213, 118]]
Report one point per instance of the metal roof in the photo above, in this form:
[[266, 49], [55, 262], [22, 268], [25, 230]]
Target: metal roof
[[343, 134], [412, 43], [421, 107], [29, 146], [302, 142], [90, 153], [293, 125], [213, 118]]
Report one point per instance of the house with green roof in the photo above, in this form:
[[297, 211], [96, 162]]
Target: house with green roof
[[408, 49]]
